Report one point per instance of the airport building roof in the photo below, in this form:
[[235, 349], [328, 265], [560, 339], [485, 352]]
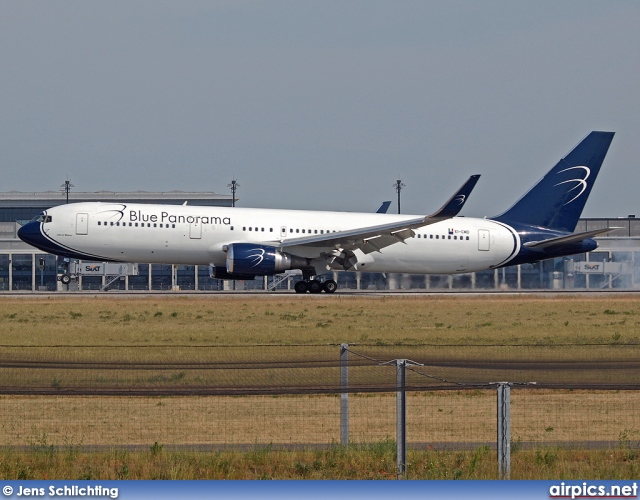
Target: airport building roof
[[20, 206], [52, 198]]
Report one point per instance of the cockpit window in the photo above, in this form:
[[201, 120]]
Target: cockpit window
[[42, 218]]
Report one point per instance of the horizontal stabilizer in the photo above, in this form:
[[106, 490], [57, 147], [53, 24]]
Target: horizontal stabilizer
[[564, 240]]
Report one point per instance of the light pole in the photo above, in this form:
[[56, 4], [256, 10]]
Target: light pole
[[398, 185], [234, 186], [66, 187]]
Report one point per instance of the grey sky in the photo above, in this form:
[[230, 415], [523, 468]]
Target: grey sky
[[319, 105]]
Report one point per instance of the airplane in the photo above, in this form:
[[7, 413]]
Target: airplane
[[242, 243], [382, 209]]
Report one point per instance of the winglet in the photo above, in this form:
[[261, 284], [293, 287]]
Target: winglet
[[453, 206]]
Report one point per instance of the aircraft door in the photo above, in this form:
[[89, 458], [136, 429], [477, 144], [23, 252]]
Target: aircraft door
[[195, 230], [483, 240], [283, 232], [82, 223]]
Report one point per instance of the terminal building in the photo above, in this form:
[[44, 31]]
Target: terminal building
[[615, 264]]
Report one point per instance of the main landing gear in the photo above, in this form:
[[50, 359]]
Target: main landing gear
[[315, 286]]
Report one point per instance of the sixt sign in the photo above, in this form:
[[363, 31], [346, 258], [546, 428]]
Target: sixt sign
[[589, 267]]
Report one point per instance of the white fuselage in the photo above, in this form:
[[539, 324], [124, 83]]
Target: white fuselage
[[193, 235]]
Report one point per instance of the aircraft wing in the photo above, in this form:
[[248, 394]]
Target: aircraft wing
[[564, 240], [374, 238]]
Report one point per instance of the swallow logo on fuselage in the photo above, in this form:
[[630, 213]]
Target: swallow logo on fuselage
[[115, 212], [580, 184]]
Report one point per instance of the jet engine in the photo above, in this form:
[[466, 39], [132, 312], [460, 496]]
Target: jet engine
[[250, 258]]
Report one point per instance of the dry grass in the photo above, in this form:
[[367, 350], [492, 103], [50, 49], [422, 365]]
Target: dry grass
[[288, 319], [434, 418], [376, 461], [166, 329]]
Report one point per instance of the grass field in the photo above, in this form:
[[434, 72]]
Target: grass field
[[290, 319], [47, 435], [375, 461]]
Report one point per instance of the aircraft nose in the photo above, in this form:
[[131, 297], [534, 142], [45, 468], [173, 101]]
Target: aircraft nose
[[30, 233]]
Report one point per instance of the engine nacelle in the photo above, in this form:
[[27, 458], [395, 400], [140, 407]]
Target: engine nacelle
[[250, 258], [222, 274]]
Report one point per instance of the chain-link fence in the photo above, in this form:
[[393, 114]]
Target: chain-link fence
[[202, 398]]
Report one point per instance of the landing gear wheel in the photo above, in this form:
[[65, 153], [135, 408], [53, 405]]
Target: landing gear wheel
[[300, 287], [65, 279], [330, 286], [315, 286]]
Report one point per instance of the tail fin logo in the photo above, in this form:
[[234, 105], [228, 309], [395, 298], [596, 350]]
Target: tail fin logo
[[581, 184], [460, 199]]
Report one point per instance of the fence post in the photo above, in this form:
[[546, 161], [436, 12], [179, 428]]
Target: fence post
[[401, 416], [344, 395], [504, 430]]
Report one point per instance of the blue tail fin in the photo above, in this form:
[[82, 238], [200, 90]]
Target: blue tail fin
[[557, 200]]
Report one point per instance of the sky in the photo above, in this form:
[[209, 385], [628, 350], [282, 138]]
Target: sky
[[319, 105]]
